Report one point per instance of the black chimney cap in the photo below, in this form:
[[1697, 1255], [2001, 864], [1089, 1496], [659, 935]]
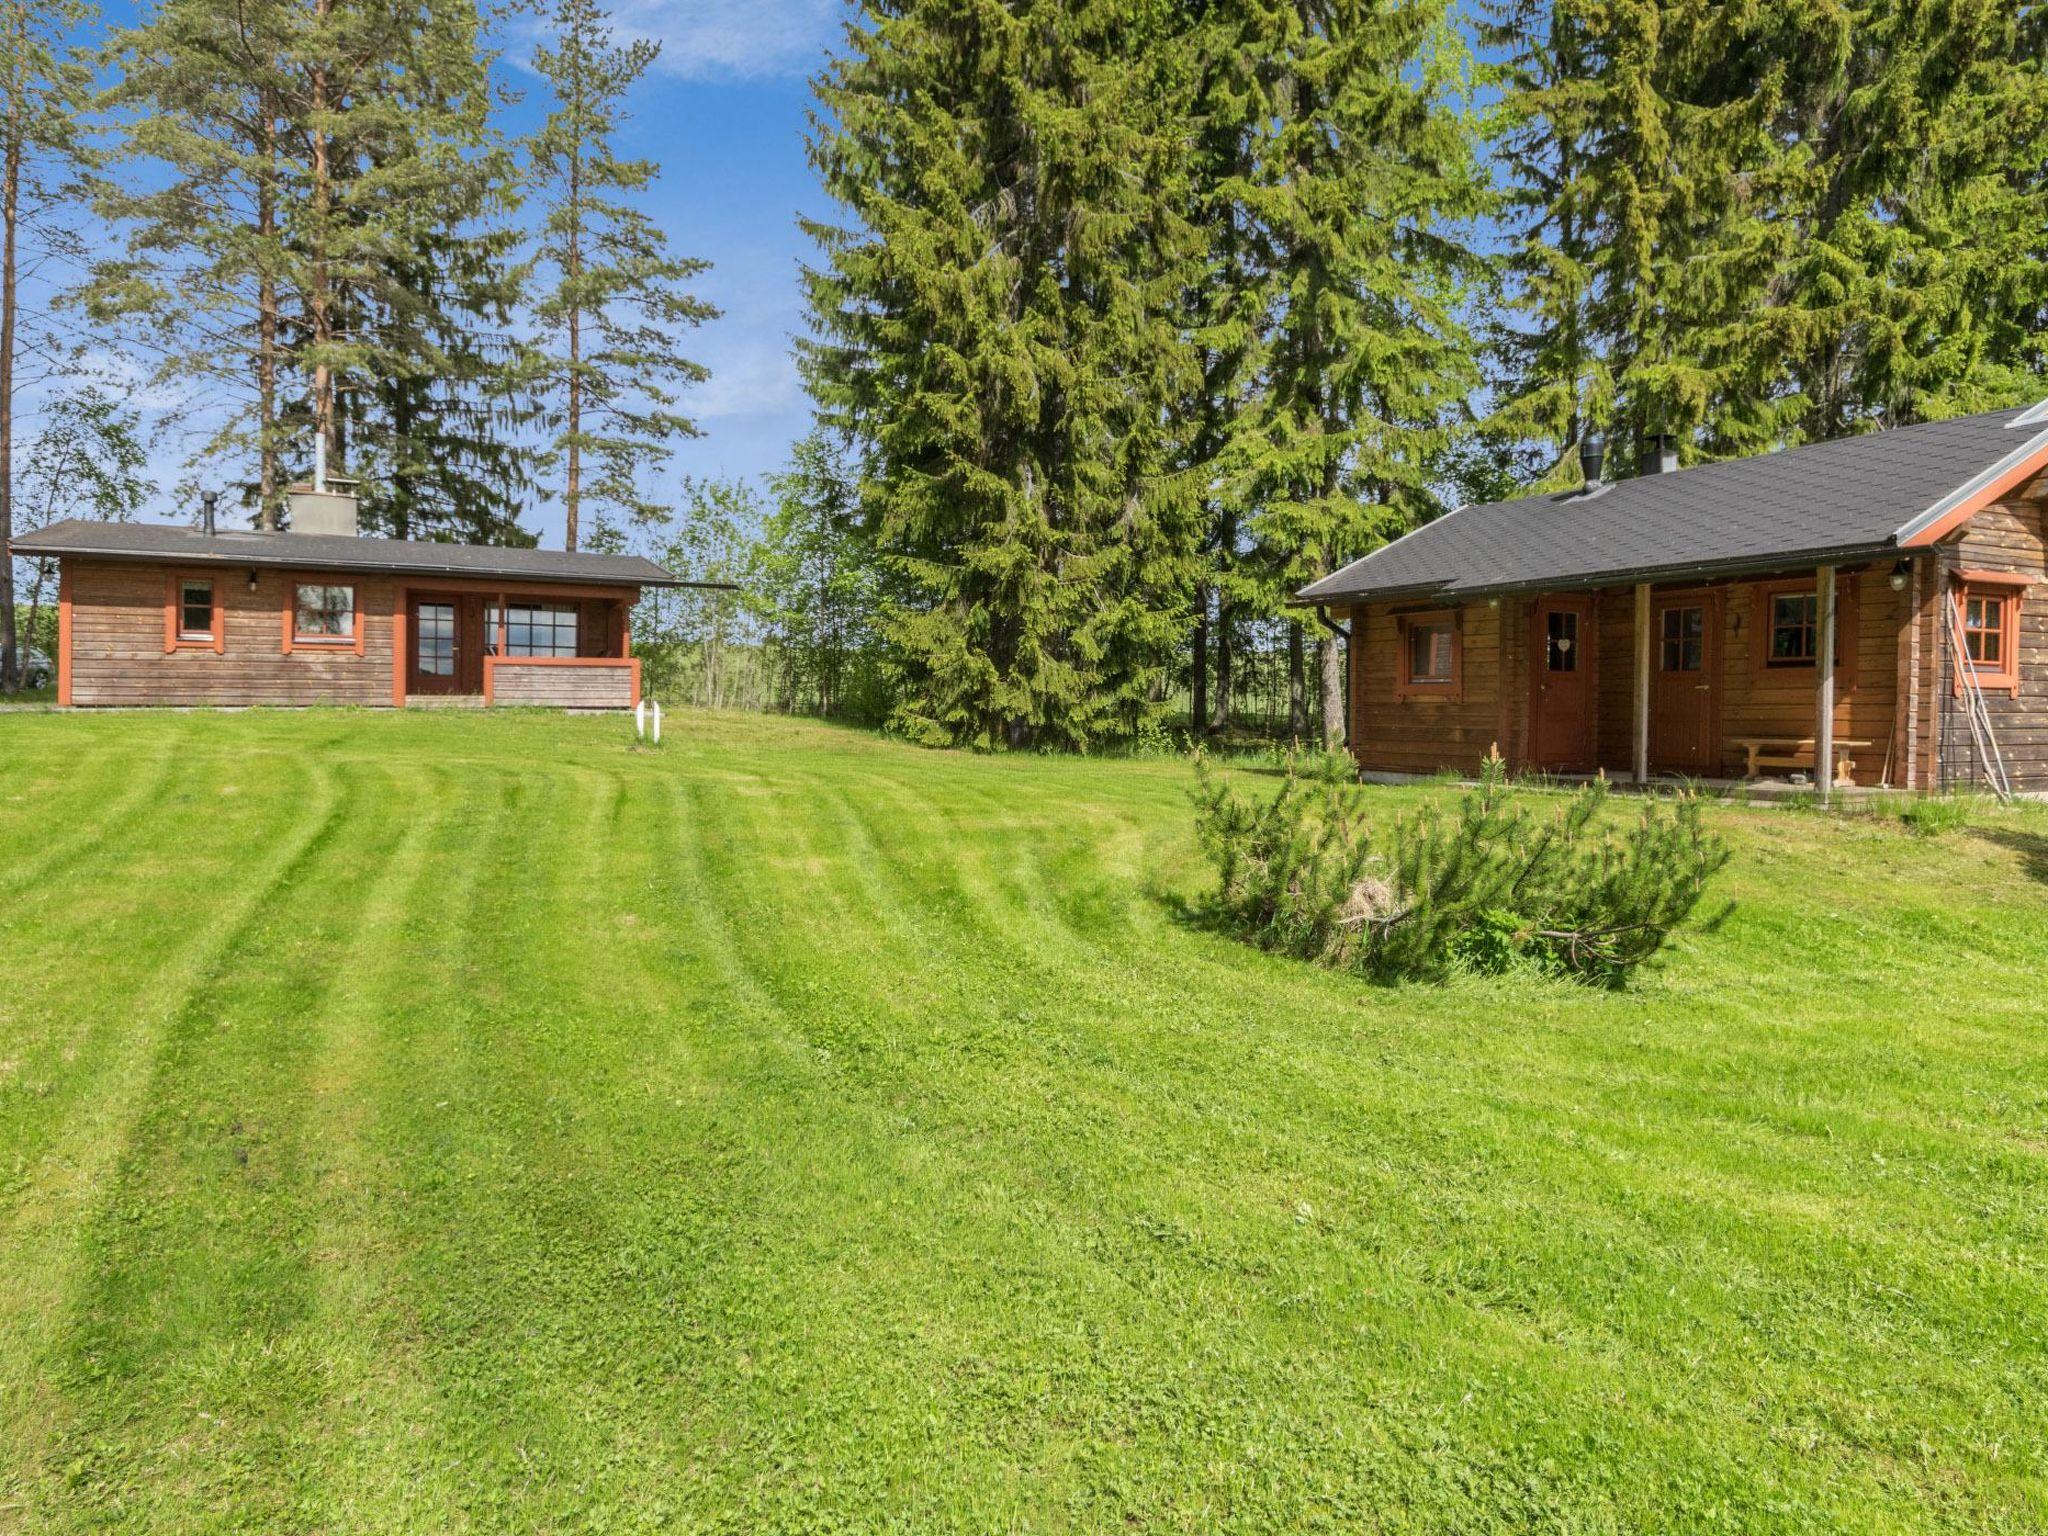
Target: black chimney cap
[[1592, 454]]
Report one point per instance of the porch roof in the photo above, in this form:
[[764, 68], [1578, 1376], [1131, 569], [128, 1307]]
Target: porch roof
[[161, 542], [1852, 499]]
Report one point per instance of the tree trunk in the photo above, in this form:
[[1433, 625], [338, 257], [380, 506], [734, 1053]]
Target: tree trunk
[[1219, 704], [10, 209], [572, 488], [1330, 657], [1297, 683], [1198, 699], [321, 300], [268, 494]]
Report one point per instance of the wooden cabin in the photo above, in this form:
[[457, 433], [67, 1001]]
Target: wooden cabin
[[155, 615], [1869, 603]]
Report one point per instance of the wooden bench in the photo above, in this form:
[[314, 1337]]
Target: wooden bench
[[1795, 752]]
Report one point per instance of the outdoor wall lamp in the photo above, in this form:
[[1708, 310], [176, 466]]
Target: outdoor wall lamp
[[252, 581], [1900, 573]]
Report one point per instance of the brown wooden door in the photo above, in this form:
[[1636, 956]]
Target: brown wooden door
[[446, 634], [1684, 674], [1561, 684]]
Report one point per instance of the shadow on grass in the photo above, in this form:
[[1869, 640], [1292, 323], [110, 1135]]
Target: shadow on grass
[[2032, 847]]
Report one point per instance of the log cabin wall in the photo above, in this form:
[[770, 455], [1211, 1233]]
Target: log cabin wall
[[1755, 700], [117, 640], [1427, 735], [2011, 536]]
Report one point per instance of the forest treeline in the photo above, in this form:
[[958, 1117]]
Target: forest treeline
[[1132, 317]]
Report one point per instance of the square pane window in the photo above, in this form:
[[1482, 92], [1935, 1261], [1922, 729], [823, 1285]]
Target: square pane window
[[1795, 627], [195, 610]]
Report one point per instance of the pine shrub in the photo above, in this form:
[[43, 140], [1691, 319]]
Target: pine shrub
[[1492, 883]]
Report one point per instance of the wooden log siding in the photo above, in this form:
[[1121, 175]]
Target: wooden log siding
[[2006, 536], [1425, 735], [559, 683], [1420, 736], [112, 621], [117, 650]]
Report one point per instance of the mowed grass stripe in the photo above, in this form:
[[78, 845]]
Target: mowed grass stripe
[[787, 1130], [195, 1285], [68, 1143]]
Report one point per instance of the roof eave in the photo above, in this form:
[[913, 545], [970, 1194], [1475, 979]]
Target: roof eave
[[1698, 570], [1976, 493], [28, 546]]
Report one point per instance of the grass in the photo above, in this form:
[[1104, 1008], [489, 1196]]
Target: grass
[[454, 1122]]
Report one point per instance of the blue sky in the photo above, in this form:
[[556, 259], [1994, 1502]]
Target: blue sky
[[722, 113]]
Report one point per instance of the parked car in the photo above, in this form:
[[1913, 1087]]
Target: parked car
[[36, 671]]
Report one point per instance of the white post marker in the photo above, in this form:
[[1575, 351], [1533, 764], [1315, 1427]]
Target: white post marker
[[640, 719], [657, 722]]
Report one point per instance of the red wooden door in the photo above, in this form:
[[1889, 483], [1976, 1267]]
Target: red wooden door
[[1684, 673], [1561, 684]]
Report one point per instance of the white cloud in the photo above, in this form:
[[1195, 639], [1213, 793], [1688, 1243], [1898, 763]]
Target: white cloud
[[712, 39], [747, 383]]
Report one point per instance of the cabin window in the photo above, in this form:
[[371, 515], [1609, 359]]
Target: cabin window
[[1795, 629], [1684, 639], [1786, 635], [1989, 608], [192, 615], [195, 610], [1429, 653], [324, 615], [1561, 640], [1431, 658], [540, 629]]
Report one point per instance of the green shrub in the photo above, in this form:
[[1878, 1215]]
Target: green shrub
[[1489, 884]]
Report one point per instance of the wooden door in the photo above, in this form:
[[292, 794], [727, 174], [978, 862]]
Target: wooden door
[[1685, 634], [1561, 684]]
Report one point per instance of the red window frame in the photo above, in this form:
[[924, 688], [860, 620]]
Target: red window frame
[[1409, 686], [294, 641], [1999, 592], [179, 638], [1767, 594]]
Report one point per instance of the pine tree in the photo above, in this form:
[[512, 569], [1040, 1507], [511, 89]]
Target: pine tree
[[1360, 185], [284, 160], [616, 299], [42, 98], [436, 435], [999, 328]]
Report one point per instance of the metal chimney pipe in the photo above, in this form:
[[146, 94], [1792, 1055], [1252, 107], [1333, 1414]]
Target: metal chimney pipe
[[206, 501], [1592, 455]]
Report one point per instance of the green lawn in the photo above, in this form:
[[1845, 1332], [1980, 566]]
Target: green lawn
[[440, 1123]]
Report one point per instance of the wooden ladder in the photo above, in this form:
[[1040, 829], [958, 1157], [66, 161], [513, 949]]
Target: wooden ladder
[[1974, 708]]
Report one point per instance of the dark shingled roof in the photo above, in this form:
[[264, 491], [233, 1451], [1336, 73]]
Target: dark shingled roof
[[339, 552], [1853, 498]]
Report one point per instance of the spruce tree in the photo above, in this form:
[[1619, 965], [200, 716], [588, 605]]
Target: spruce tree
[[1360, 190], [615, 299], [999, 327]]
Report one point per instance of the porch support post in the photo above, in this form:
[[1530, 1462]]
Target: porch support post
[[1824, 667], [1642, 694]]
